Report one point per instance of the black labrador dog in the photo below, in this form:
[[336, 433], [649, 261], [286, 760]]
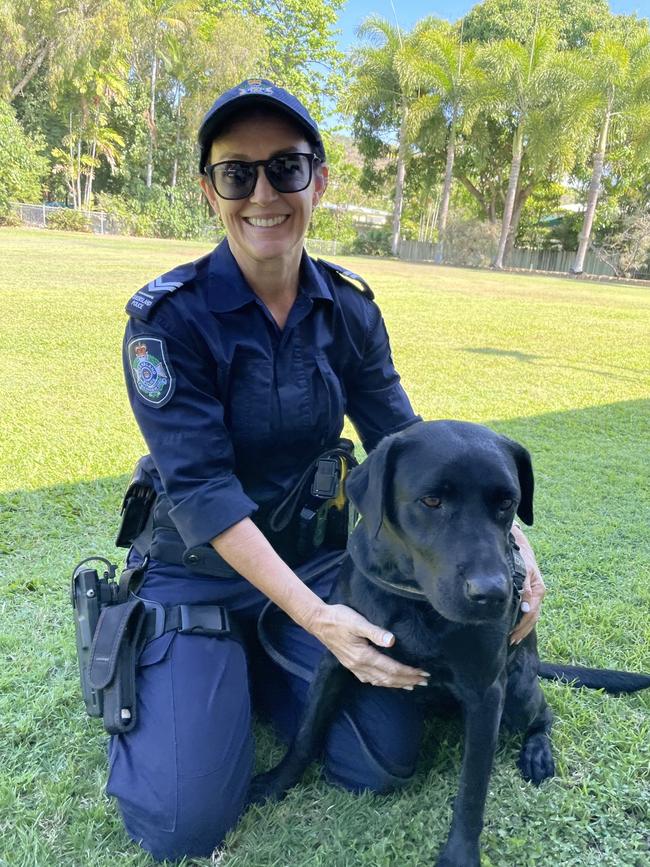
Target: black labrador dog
[[432, 560]]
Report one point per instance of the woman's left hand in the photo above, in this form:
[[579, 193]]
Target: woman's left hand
[[532, 592]]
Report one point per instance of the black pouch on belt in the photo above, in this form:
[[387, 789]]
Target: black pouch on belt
[[117, 642], [137, 503]]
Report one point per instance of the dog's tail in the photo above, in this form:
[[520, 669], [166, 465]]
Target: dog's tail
[[614, 682]]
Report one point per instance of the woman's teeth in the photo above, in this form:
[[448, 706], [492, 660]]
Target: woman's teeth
[[263, 223]]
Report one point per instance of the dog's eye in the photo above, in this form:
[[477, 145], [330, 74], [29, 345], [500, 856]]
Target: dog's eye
[[431, 502], [506, 504]]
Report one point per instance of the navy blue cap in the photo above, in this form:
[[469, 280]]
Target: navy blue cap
[[256, 91]]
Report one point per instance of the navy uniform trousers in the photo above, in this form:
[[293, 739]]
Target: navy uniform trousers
[[182, 774]]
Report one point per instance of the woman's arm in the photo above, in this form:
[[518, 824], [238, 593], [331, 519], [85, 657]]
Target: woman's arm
[[533, 590], [343, 631]]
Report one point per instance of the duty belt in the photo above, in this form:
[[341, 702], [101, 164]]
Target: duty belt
[[315, 513]]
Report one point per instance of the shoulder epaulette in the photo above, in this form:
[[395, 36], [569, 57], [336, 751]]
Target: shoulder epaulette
[[348, 276], [145, 299]]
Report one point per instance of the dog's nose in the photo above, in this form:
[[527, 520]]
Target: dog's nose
[[487, 590]]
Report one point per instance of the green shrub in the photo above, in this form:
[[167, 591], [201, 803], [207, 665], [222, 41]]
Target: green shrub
[[470, 243], [10, 219], [330, 225], [375, 242], [68, 220], [164, 213], [22, 167]]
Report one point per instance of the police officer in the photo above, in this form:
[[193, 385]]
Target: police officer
[[240, 367]]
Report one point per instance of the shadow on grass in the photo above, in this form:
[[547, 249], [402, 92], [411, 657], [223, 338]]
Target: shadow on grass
[[507, 353], [546, 361], [579, 456]]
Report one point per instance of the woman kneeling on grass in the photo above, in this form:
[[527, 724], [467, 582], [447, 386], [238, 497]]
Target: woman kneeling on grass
[[240, 368]]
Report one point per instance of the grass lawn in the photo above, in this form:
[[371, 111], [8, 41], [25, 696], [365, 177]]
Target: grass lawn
[[560, 366]]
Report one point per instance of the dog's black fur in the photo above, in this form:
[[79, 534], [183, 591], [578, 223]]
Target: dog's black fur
[[438, 501]]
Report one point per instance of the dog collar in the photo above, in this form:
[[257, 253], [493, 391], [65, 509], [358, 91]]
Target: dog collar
[[411, 591]]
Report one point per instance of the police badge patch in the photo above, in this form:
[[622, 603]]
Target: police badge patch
[[152, 374]]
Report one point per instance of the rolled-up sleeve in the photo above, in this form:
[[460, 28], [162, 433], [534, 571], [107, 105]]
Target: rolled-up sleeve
[[377, 402], [183, 425]]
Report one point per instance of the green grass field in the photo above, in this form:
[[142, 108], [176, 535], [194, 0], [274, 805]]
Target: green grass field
[[558, 365]]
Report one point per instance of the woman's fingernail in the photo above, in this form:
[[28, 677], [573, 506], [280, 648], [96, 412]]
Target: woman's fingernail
[[423, 683], [410, 688], [424, 673], [386, 638], [525, 607]]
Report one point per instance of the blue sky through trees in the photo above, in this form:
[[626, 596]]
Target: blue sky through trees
[[410, 11]]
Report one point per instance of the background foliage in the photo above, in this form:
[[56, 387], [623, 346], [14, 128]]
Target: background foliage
[[527, 115]]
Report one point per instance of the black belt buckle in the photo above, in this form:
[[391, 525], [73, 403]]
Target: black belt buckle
[[210, 620]]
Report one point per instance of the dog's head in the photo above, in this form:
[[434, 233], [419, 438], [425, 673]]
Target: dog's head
[[438, 501]]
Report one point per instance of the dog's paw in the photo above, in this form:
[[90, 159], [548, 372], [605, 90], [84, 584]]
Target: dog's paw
[[266, 787], [536, 759], [459, 854]]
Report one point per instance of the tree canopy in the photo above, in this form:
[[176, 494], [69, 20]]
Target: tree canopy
[[501, 119]]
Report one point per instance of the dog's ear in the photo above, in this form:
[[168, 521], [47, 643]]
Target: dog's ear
[[526, 479], [369, 485]]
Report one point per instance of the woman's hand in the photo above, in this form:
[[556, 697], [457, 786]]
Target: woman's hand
[[532, 592], [348, 635]]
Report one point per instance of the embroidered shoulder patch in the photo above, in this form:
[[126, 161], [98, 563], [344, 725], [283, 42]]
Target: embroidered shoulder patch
[[349, 275], [150, 369], [145, 300]]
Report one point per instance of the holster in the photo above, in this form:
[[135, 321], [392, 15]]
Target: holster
[[118, 640], [110, 635], [112, 626]]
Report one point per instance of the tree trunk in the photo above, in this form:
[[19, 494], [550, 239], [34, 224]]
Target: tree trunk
[[31, 72], [515, 168], [469, 186], [90, 177], [520, 200], [78, 201], [178, 140], [446, 194], [152, 118], [399, 184], [594, 189]]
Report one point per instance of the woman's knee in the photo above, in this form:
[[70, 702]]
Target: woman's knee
[[205, 809], [181, 775], [374, 745]]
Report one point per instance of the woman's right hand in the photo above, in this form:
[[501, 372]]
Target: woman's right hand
[[349, 636]]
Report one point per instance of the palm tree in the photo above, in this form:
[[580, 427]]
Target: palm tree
[[107, 87], [443, 70], [158, 22], [378, 99], [617, 76], [526, 88]]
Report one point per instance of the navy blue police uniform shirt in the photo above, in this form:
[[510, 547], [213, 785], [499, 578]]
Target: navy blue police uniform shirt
[[233, 408]]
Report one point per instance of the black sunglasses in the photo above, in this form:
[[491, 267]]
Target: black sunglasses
[[236, 179]]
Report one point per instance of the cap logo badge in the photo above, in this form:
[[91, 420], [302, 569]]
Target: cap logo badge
[[255, 85]]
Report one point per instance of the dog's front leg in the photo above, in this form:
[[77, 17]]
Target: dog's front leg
[[324, 700], [482, 718]]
